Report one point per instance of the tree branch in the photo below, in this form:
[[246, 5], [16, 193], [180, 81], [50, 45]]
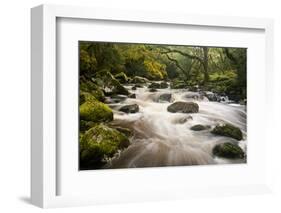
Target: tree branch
[[168, 50]]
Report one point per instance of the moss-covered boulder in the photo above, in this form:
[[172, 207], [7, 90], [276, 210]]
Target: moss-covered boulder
[[183, 107], [199, 127], [139, 80], [85, 125], [126, 131], [122, 77], [91, 88], [86, 96], [95, 111], [132, 108], [228, 130], [109, 83], [228, 150], [98, 143]]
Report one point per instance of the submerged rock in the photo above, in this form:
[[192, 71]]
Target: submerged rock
[[228, 130], [95, 111], [228, 150], [199, 127], [132, 108], [98, 143], [183, 120], [183, 107]]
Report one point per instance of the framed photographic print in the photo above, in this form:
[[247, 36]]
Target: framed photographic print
[[130, 106]]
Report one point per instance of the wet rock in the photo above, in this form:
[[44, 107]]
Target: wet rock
[[133, 95], [154, 85], [164, 85], [211, 96], [153, 90], [228, 150], [161, 85], [98, 143], [199, 127], [228, 130], [134, 88], [166, 97], [115, 99], [132, 108], [183, 107], [183, 120]]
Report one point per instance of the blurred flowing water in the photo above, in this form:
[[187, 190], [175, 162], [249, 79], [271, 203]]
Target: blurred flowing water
[[162, 138]]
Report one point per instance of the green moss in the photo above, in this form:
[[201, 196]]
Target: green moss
[[87, 86], [229, 131], [98, 143], [228, 150], [86, 96], [106, 80], [95, 111], [122, 77], [85, 125], [139, 80]]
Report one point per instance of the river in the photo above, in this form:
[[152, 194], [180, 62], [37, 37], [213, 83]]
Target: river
[[162, 138]]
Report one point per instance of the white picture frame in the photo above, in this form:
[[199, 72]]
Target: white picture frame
[[44, 155]]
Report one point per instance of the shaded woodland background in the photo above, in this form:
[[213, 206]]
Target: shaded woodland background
[[220, 70]]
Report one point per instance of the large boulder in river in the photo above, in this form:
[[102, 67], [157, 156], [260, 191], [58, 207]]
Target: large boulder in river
[[228, 150], [132, 108], [228, 130], [98, 143], [95, 111], [183, 107]]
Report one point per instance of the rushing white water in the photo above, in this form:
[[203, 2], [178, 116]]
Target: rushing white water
[[162, 138]]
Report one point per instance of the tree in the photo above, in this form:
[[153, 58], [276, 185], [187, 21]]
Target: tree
[[195, 54]]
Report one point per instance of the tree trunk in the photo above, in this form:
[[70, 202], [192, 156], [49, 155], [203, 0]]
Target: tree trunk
[[205, 64]]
